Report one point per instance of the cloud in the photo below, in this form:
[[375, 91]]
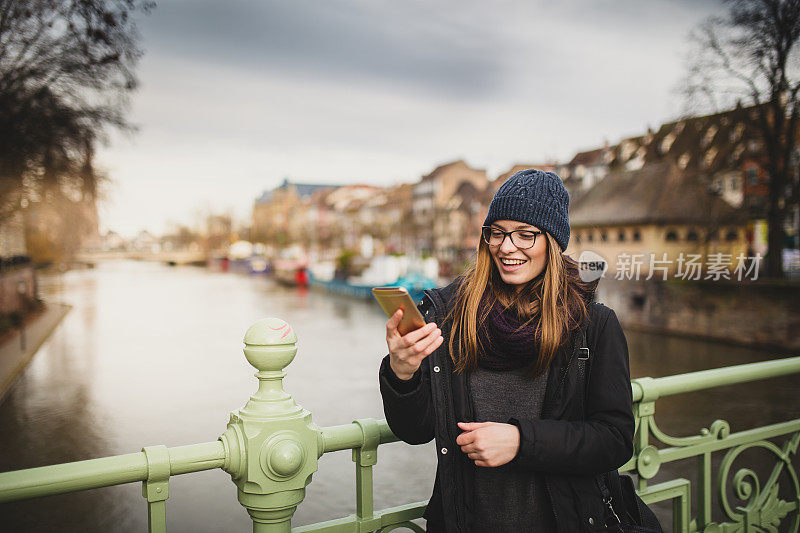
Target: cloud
[[358, 42], [237, 95]]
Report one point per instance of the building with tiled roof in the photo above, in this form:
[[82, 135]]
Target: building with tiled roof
[[657, 209], [273, 210], [586, 169], [722, 150], [430, 199]]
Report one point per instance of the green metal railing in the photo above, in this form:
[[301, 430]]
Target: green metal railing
[[271, 449]]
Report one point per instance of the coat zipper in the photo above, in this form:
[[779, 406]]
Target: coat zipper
[[550, 496], [448, 425], [558, 389]]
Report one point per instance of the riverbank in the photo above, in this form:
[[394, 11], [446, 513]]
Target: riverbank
[[763, 314], [13, 357]]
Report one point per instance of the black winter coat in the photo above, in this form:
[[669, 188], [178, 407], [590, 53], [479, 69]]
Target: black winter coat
[[569, 445]]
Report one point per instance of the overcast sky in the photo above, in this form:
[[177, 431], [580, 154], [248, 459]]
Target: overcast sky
[[235, 96]]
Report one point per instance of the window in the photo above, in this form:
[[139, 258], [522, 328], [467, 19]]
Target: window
[[637, 236], [737, 153], [737, 132], [712, 236], [666, 143], [603, 236], [628, 147], [621, 235], [711, 132], [708, 159], [671, 236], [731, 235], [752, 176], [692, 236], [590, 237], [577, 238]]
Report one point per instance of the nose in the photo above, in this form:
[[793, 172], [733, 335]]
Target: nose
[[507, 246]]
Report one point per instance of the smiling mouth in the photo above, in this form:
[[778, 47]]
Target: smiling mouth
[[512, 262]]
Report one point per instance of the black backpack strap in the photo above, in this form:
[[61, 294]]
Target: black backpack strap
[[582, 357]]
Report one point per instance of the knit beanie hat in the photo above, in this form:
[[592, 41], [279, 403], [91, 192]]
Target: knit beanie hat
[[534, 197]]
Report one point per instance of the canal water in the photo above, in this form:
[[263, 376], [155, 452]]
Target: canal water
[[151, 354]]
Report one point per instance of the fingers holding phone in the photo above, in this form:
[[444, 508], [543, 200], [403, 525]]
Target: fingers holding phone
[[406, 352]]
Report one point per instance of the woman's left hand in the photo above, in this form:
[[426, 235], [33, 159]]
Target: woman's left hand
[[489, 443]]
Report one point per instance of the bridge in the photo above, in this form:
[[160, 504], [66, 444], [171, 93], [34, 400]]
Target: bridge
[[271, 449], [173, 257]]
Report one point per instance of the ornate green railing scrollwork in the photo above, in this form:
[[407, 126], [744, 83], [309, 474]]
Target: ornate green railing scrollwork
[[719, 429], [763, 509]]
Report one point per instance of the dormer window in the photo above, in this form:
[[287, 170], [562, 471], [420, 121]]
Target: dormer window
[[709, 156], [666, 142], [711, 132], [737, 152], [737, 132], [628, 148]]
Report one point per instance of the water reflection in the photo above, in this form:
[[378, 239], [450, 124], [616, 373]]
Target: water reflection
[[152, 355]]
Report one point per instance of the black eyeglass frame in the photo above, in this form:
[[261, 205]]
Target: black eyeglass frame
[[510, 235]]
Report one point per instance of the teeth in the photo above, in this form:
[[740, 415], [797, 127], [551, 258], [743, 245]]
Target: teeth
[[512, 261]]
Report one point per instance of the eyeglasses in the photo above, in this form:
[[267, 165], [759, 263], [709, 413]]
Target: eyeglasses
[[521, 238]]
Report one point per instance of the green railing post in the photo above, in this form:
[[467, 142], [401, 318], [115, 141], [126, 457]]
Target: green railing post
[[365, 457], [271, 445], [647, 461], [156, 487]]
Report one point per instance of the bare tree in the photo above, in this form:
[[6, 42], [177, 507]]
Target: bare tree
[[750, 55], [66, 68]]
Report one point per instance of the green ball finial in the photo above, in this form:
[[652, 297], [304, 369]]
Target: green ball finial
[[270, 344]]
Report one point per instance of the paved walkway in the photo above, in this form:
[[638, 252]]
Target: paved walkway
[[13, 359]]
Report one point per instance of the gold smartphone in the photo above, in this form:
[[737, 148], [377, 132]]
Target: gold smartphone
[[393, 298]]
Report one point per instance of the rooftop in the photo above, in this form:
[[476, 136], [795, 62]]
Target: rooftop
[[658, 193]]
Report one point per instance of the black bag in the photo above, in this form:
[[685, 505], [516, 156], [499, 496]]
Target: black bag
[[625, 510]]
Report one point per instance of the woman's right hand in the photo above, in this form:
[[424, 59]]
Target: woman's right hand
[[406, 352]]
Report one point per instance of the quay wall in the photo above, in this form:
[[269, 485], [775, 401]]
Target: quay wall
[[761, 313]]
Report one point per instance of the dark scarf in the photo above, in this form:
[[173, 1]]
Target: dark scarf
[[505, 343]]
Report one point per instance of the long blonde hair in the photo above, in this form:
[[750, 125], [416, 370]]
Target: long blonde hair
[[558, 298]]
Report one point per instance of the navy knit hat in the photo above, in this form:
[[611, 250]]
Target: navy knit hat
[[537, 198]]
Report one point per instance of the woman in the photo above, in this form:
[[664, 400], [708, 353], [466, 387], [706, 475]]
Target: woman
[[524, 421]]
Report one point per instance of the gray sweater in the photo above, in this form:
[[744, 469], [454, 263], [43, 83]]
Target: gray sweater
[[508, 499]]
